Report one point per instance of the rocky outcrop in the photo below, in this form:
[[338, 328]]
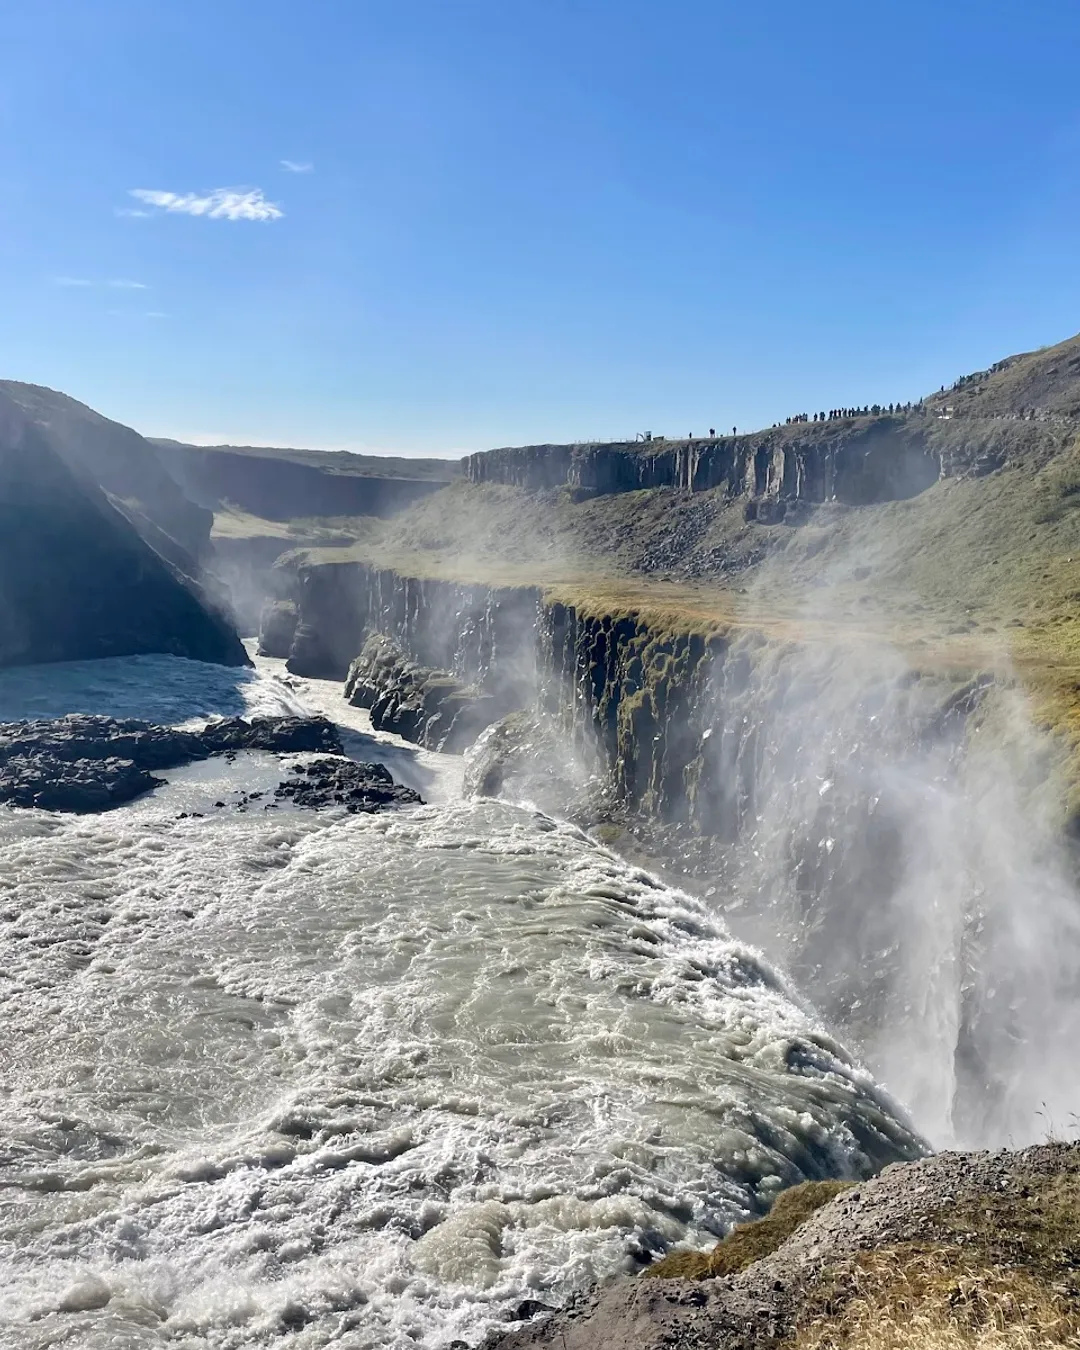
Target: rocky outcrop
[[86, 763], [77, 581], [857, 462], [277, 628], [359, 788], [431, 707]]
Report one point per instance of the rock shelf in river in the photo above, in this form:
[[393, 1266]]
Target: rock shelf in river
[[84, 763]]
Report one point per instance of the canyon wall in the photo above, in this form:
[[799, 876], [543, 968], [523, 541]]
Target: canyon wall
[[873, 459], [283, 489], [77, 579], [890, 834]]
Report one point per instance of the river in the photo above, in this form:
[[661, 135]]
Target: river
[[284, 1078]]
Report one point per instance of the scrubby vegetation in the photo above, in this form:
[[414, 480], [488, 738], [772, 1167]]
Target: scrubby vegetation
[[749, 1242], [982, 1269], [1003, 1274]]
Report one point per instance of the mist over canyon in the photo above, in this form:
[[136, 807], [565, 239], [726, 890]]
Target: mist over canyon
[[719, 833]]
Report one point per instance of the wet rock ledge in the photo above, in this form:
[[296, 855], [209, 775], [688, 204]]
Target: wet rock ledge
[[86, 763]]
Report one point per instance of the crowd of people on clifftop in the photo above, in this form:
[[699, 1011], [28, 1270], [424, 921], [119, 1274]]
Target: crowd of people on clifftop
[[833, 415], [840, 414]]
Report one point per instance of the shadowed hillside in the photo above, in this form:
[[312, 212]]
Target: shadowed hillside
[[290, 484], [76, 579], [120, 462]]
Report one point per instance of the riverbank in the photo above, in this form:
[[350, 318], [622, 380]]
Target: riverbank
[[959, 1250]]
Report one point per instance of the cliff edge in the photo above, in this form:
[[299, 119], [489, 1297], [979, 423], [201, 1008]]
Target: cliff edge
[[957, 1250]]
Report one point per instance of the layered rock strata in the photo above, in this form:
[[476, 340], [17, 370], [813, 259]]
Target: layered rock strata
[[857, 462]]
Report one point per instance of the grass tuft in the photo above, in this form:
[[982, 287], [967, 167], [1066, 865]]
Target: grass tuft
[[749, 1242]]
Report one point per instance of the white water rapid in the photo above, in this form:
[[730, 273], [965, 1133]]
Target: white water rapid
[[276, 1078]]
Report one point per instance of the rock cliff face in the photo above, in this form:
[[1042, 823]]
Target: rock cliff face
[[431, 707], [76, 579], [282, 489], [471, 631], [855, 462]]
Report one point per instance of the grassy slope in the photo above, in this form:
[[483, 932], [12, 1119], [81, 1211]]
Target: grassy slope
[[990, 1269], [978, 571], [973, 573]]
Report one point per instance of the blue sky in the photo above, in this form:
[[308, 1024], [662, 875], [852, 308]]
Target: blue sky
[[521, 220]]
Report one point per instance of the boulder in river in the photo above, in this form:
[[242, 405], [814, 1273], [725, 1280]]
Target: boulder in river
[[344, 782]]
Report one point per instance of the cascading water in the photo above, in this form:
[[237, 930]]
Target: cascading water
[[897, 857], [889, 834], [282, 1078]]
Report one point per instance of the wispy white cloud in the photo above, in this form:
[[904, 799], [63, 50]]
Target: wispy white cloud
[[133, 213], [297, 166], [117, 284], [219, 204]]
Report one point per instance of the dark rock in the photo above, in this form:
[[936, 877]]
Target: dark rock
[[344, 782], [277, 628], [332, 621], [120, 462], [87, 763], [312, 654], [78, 785], [86, 736], [430, 707]]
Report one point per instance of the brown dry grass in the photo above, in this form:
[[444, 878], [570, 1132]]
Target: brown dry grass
[[749, 1242], [938, 1298], [1005, 1275]]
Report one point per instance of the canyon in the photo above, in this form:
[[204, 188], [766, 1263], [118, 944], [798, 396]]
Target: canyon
[[787, 723]]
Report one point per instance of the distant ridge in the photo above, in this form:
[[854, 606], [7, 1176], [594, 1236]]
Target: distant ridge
[[1043, 383], [293, 484], [331, 461]]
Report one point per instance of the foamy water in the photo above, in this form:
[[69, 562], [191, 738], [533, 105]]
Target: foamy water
[[283, 1078]]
